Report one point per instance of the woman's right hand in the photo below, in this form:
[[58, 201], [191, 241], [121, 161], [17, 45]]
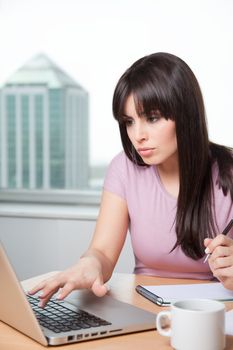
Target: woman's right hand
[[86, 274], [96, 266], [221, 258]]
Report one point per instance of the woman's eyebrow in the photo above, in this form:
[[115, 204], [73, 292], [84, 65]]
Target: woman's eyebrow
[[140, 114]]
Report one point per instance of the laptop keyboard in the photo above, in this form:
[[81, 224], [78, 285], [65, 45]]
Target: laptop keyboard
[[59, 318]]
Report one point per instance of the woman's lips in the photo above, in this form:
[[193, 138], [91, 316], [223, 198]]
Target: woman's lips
[[145, 152]]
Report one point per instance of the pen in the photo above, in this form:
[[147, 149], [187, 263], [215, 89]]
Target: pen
[[224, 232], [151, 296]]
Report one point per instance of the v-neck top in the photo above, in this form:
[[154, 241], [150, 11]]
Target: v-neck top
[[152, 215]]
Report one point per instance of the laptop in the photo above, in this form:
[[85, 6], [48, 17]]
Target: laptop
[[80, 317]]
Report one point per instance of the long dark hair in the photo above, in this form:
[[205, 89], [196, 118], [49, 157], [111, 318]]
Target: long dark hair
[[164, 82]]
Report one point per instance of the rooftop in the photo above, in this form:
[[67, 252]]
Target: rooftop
[[41, 70]]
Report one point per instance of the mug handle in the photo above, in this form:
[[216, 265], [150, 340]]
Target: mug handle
[[161, 319]]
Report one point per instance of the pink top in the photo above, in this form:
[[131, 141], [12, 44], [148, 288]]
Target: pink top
[[152, 213]]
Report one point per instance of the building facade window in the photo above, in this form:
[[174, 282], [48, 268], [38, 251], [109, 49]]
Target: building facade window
[[11, 144], [25, 140]]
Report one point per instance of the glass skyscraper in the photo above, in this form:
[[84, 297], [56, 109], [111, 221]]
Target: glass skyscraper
[[43, 129]]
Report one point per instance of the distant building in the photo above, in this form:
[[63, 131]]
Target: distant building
[[43, 129]]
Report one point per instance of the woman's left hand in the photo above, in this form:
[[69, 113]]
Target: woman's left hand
[[221, 258]]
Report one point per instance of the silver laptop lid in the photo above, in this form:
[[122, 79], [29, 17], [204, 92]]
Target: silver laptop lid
[[14, 307], [16, 311]]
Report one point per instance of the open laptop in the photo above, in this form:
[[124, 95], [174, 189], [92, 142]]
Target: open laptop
[[82, 316]]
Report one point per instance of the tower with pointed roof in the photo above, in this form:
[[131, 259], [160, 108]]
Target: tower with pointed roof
[[43, 129]]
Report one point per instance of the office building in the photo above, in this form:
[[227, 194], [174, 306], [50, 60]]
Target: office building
[[43, 129]]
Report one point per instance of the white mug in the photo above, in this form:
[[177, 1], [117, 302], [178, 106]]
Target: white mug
[[194, 324]]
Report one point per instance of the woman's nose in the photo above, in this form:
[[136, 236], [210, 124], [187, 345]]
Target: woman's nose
[[140, 133]]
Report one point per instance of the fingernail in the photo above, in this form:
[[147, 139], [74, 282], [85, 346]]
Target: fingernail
[[40, 294], [207, 251], [58, 296], [40, 304]]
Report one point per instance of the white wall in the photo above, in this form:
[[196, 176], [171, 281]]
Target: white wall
[[37, 245]]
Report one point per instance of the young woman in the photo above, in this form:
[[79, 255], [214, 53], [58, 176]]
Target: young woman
[[170, 187]]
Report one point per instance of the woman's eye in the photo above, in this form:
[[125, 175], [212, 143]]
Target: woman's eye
[[153, 118], [128, 122]]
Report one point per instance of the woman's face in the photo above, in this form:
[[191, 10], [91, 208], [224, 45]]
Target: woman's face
[[153, 137]]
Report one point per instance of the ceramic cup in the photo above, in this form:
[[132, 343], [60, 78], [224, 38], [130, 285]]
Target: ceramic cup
[[194, 324]]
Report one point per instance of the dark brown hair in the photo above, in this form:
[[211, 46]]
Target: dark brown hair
[[164, 82]]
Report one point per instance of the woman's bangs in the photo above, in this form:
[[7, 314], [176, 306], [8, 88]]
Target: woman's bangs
[[147, 99]]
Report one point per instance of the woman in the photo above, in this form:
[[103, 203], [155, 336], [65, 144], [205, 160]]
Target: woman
[[171, 187]]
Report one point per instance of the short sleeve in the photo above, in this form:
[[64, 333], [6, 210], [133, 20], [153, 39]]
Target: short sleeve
[[114, 178]]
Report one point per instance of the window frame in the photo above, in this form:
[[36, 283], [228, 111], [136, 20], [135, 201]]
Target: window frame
[[51, 196]]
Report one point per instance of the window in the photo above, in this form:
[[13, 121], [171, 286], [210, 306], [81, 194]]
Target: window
[[45, 117], [57, 132]]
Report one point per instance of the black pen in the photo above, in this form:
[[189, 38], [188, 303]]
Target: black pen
[[224, 232]]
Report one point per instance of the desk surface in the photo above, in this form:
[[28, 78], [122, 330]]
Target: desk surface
[[122, 288]]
